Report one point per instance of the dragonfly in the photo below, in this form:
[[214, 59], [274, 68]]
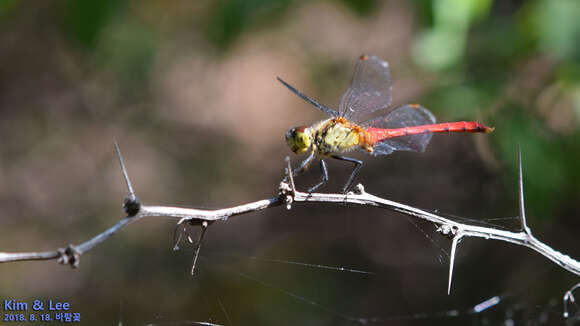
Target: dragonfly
[[404, 128]]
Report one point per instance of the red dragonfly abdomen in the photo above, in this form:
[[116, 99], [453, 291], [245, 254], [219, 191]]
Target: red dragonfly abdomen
[[379, 134]]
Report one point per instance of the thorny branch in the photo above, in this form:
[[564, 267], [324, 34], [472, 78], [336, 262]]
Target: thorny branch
[[288, 195]]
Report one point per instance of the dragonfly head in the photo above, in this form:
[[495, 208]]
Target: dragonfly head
[[299, 139]]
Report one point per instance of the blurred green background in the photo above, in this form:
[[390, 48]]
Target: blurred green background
[[188, 90]]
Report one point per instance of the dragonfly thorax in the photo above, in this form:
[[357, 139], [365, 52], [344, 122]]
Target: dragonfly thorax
[[299, 139], [337, 135]]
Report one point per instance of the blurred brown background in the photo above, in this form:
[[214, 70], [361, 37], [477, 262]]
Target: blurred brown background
[[188, 90]]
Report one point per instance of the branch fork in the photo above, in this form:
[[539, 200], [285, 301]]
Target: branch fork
[[69, 256]]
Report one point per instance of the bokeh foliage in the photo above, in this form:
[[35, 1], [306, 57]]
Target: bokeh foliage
[[491, 50], [481, 46]]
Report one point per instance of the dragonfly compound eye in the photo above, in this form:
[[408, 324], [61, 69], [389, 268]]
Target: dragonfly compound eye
[[298, 139]]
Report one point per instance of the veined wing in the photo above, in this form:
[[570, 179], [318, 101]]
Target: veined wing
[[404, 116], [310, 100], [370, 89]]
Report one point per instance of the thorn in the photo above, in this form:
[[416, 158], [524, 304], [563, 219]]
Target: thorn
[[525, 227], [452, 260], [204, 226], [127, 181], [131, 204]]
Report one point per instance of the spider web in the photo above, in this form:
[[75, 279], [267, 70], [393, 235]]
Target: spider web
[[283, 290]]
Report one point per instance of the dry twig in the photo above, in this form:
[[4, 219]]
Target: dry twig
[[288, 195]]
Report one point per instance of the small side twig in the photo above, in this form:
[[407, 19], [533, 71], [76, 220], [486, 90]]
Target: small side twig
[[569, 299], [204, 226]]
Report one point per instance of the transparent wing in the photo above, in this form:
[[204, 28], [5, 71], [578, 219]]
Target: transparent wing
[[308, 99], [408, 115], [370, 89]]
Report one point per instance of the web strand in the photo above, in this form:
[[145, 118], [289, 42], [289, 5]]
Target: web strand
[[296, 263], [304, 299]]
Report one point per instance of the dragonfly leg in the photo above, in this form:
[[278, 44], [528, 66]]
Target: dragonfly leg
[[356, 167], [324, 171], [304, 165]]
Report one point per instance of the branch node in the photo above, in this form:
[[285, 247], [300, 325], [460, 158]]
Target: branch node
[[448, 230], [69, 256], [131, 205], [359, 189], [287, 194], [284, 188]]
